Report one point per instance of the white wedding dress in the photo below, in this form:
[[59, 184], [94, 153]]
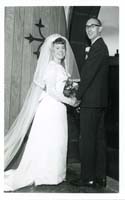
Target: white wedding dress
[[44, 157]]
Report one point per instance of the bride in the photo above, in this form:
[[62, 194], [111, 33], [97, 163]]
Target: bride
[[44, 157]]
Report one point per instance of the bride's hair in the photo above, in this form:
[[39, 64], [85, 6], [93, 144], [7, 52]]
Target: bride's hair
[[60, 41]]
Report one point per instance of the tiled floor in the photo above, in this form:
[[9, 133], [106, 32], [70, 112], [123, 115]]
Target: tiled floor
[[65, 187]]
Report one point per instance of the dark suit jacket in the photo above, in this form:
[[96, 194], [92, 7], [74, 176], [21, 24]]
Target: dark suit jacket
[[93, 88]]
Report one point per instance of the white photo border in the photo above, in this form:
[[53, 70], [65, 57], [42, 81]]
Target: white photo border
[[52, 196]]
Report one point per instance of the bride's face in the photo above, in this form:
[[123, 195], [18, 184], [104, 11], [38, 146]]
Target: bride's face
[[58, 51]]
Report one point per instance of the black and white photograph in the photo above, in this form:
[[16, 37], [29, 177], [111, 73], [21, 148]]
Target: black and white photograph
[[61, 100]]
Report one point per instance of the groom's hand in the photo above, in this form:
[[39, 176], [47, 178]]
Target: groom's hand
[[78, 109]]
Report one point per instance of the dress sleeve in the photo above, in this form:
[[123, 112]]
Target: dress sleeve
[[52, 80]]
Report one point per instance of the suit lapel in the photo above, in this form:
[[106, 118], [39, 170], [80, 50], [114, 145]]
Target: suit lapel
[[95, 44]]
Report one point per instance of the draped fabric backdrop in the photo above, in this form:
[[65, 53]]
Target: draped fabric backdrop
[[20, 62]]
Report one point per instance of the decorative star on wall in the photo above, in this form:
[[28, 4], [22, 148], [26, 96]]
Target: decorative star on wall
[[31, 38]]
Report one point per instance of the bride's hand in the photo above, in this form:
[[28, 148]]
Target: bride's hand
[[75, 102]]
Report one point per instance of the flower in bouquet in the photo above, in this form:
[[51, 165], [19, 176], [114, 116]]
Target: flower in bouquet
[[70, 88]]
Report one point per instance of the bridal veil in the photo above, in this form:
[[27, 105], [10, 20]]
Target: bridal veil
[[19, 128]]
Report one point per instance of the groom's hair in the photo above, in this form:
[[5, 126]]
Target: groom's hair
[[60, 40], [97, 19]]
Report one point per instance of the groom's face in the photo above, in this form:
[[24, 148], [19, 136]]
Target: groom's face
[[93, 29]]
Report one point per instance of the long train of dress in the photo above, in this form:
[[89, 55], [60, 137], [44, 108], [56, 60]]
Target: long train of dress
[[44, 158]]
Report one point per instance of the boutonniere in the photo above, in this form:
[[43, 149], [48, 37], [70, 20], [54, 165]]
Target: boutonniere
[[87, 49]]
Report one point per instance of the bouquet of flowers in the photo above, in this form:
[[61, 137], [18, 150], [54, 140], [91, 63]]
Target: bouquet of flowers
[[70, 88]]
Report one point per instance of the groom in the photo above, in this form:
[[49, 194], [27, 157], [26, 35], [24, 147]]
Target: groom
[[93, 93]]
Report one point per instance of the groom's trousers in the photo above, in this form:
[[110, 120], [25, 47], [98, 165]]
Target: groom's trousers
[[92, 143]]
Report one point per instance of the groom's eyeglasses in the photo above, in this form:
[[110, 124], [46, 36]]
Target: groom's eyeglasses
[[91, 26]]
